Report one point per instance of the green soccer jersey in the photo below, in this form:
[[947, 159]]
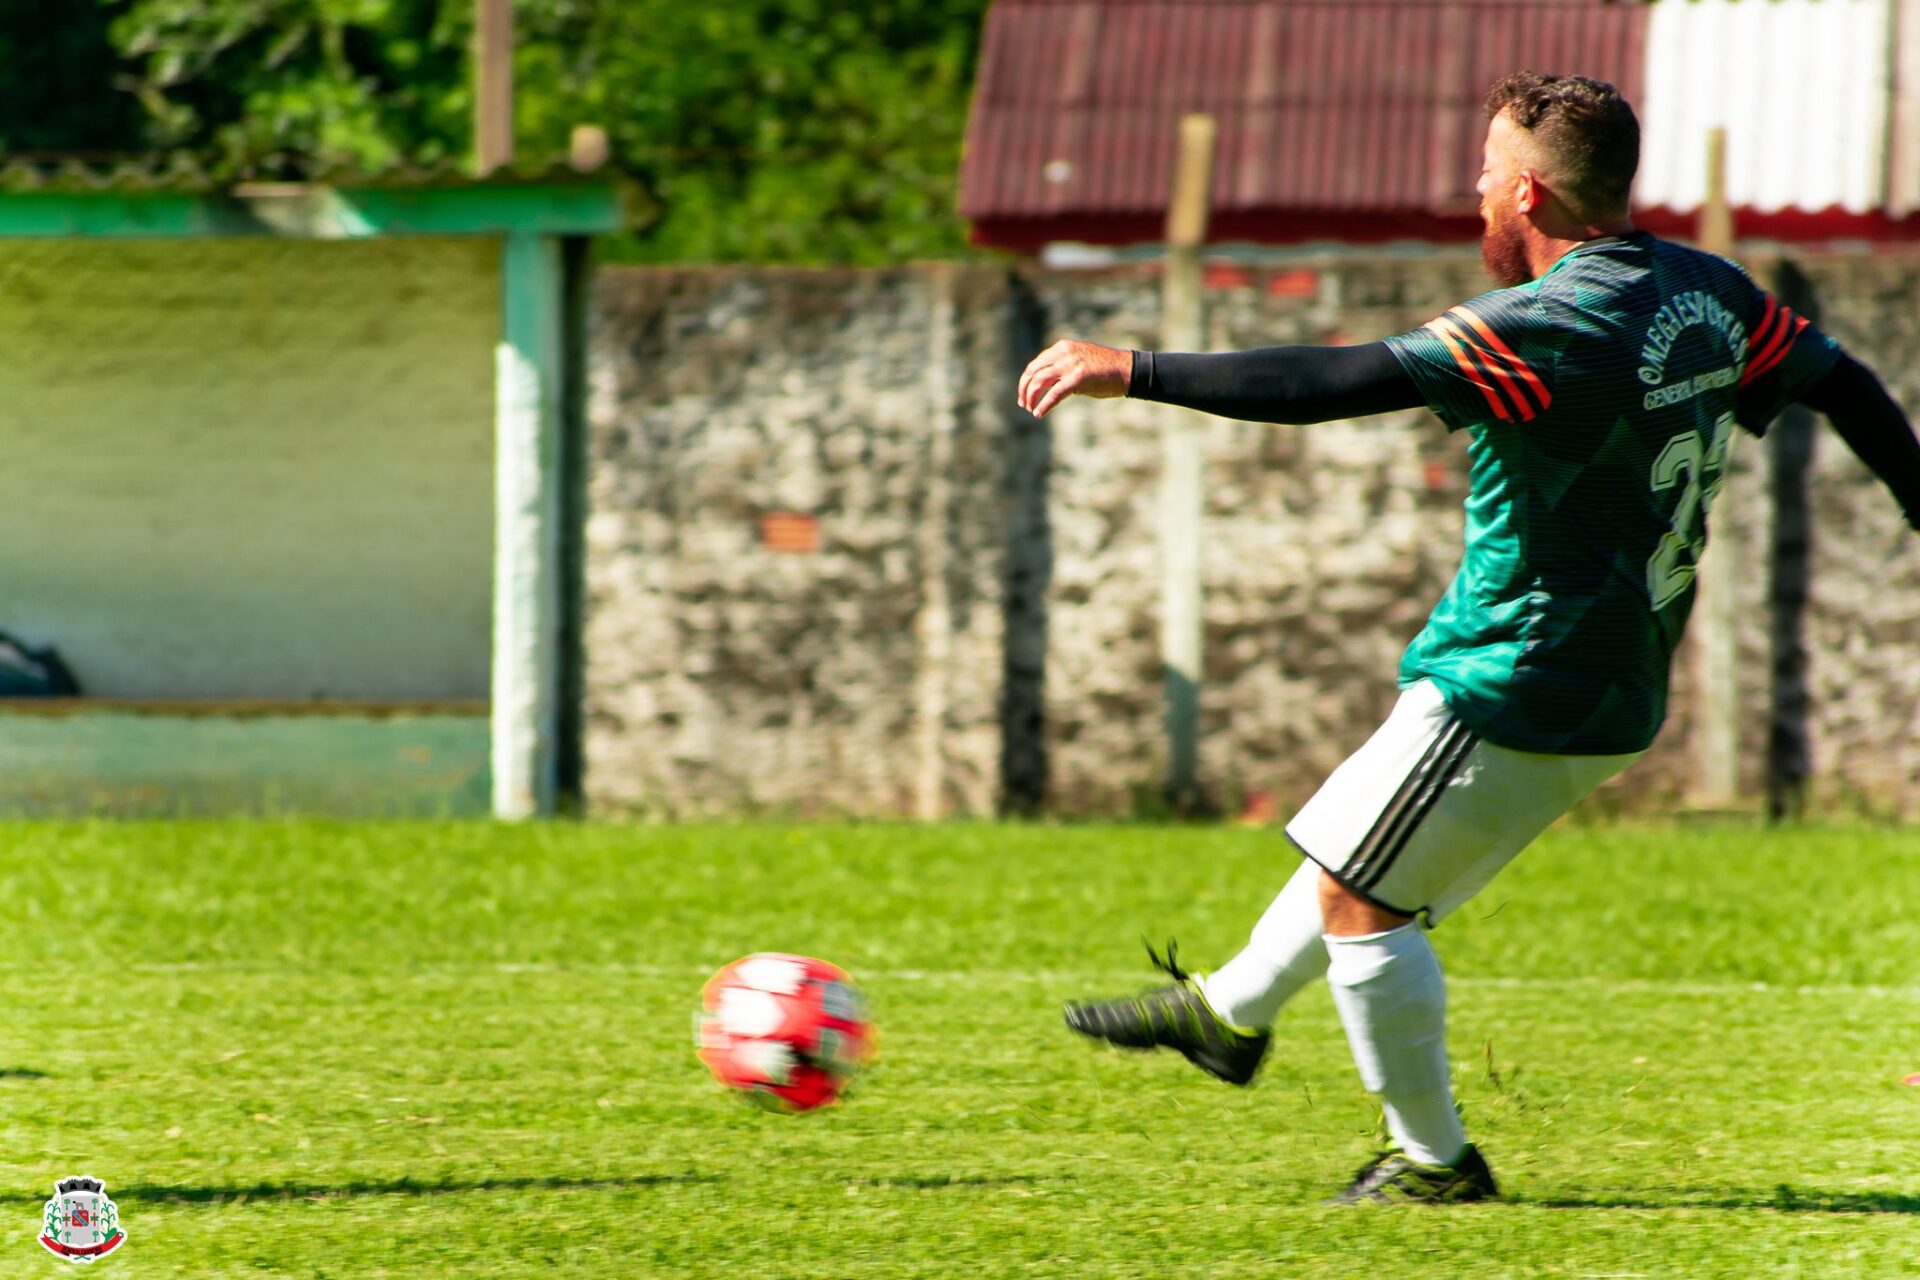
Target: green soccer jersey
[[1600, 400]]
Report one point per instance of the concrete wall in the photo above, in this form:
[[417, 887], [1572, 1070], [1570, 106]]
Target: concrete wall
[[979, 626], [86, 759], [251, 469]]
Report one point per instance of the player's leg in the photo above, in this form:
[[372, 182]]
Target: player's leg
[[1220, 1020], [1287, 949], [1175, 1016], [1387, 987], [1456, 818], [1284, 953]]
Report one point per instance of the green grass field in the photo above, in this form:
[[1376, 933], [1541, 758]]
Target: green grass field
[[464, 1050]]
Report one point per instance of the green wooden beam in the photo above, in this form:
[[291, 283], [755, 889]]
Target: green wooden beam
[[530, 368], [325, 213]]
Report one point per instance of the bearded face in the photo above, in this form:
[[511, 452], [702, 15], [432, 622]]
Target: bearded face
[[1503, 249], [1503, 246]]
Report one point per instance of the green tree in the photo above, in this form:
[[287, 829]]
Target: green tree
[[774, 130], [260, 86], [771, 130]]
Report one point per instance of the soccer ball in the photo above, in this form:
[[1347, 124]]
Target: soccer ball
[[786, 1032]]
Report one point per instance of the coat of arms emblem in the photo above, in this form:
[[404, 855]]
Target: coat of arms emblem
[[82, 1225]]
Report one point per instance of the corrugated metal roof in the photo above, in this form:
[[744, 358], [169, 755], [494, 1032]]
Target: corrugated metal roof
[[1363, 105], [182, 173], [1802, 88]]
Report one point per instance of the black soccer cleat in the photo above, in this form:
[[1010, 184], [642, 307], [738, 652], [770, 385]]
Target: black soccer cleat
[[1393, 1178], [1174, 1017]]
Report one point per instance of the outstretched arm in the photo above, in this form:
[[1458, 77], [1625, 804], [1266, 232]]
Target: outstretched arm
[[1873, 426], [1295, 385]]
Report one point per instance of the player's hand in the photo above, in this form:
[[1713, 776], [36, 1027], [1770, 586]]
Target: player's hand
[[1069, 368]]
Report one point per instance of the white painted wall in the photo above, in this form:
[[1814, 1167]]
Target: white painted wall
[[251, 469]]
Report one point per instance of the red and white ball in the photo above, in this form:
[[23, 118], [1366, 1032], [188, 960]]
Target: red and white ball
[[786, 1031]]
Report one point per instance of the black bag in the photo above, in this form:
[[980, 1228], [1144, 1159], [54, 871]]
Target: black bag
[[27, 672]]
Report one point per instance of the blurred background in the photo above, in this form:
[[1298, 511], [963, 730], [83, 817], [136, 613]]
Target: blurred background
[[607, 406]]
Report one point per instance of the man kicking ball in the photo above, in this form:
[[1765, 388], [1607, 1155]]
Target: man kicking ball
[[1599, 386]]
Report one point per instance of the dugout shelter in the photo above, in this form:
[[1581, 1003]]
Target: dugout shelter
[[288, 485]]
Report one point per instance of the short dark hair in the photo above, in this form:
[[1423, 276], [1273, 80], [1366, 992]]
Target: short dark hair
[[1585, 125]]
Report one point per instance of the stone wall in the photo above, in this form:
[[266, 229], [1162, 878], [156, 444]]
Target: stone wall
[[1324, 547], [978, 628], [864, 677], [1863, 624]]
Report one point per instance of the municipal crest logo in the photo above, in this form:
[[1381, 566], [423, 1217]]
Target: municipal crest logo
[[81, 1223]]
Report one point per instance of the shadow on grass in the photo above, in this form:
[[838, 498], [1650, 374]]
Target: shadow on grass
[[1782, 1199], [140, 1193], [938, 1181]]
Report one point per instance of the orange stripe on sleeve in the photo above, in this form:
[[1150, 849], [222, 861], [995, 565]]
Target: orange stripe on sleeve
[[1777, 347], [1503, 380], [1457, 349], [1768, 335], [1506, 353], [1495, 366]]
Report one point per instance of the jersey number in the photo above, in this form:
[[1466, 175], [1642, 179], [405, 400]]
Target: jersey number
[[1701, 467]]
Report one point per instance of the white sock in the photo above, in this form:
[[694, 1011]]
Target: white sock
[[1393, 1003], [1284, 954]]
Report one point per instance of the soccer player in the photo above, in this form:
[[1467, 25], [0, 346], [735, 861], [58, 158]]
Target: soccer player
[[1599, 386]]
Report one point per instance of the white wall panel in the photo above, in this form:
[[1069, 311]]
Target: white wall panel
[[1801, 86], [251, 469]]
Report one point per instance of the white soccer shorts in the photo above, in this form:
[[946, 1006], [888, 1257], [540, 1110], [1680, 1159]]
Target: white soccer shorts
[[1426, 813]]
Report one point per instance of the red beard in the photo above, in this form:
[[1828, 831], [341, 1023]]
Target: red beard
[[1503, 251]]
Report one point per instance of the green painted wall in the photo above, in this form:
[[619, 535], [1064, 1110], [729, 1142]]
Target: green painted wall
[[252, 468], [113, 762]]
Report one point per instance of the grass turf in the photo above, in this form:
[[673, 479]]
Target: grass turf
[[366, 1050]]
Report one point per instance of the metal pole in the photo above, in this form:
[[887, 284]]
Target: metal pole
[[1183, 493]]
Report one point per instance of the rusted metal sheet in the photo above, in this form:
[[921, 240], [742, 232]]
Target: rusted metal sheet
[[1324, 106]]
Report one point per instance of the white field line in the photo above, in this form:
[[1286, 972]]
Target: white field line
[[1018, 977], [944, 977]]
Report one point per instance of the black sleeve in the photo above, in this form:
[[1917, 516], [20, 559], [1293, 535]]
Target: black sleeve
[[1873, 426], [1294, 385]]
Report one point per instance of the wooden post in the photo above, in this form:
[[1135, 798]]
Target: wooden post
[[1182, 488], [492, 85], [1903, 124], [1716, 214], [1716, 614]]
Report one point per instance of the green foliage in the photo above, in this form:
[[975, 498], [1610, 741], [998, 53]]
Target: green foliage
[[464, 1050], [256, 86], [776, 130], [772, 130]]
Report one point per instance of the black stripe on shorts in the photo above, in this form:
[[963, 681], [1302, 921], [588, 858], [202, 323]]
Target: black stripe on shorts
[[1417, 795]]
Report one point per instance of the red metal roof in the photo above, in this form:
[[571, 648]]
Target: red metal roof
[[1358, 118]]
